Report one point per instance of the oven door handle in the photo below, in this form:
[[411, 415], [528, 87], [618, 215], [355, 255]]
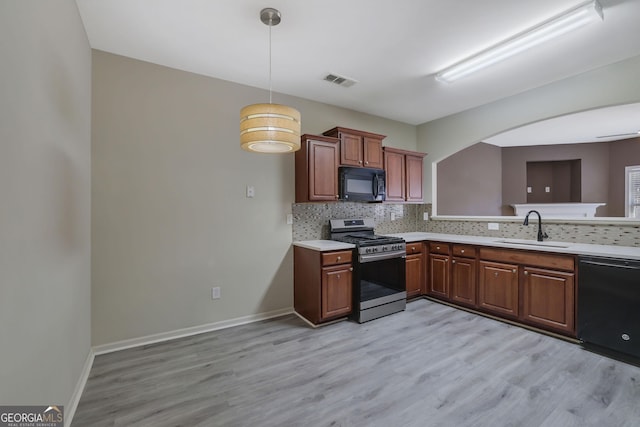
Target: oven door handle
[[379, 257]]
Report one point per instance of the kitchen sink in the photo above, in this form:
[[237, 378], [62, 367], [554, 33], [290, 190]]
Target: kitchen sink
[[532, 243]]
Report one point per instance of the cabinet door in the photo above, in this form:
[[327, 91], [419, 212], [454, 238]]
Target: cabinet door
[[336, 291], [323, 173], [394, 168], [498, 288], [439, 276], [463, 280], [350, 149], [414, 178], [414, 276], [548, 299], [372, 151]]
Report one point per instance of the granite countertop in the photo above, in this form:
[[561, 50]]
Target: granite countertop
[[627, 252]]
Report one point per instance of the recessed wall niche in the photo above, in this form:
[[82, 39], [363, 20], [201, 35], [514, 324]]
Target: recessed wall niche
[[558, 181]]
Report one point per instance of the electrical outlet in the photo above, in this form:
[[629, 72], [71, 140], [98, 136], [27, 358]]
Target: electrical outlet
[[215, 293], [425, 216], [493, 226], [393, 216], [251, 191], [289, 219]]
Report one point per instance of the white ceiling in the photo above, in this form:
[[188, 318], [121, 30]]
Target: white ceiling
[[391, 47]]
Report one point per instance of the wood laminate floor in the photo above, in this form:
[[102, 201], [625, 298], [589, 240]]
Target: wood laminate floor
[[431, 365]]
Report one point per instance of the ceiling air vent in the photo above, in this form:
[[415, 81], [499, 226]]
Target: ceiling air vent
[[340, 80]]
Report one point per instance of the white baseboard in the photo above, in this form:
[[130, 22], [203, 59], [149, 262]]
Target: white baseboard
[[70, 408], [186, 332]]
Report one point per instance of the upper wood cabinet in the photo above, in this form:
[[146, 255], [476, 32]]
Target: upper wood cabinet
[[358, 148], [404, 175], [317, 169]]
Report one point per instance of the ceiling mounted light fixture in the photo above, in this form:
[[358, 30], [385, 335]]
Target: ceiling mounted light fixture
[[269, 128], [580, 15]]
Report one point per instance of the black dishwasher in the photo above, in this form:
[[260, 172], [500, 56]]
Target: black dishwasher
[[609, 305]]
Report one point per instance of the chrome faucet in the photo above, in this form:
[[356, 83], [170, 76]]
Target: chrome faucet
[[541, 234]]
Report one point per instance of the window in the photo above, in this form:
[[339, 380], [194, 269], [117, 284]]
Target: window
[[632, 191]]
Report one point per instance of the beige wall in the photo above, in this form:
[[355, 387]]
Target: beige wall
[[610, 85], [45, 101], [170, 216]]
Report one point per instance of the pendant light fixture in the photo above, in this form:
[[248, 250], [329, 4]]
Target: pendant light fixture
[[269, 128]]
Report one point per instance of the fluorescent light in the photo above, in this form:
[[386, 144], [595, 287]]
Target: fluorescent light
[[554, 27]]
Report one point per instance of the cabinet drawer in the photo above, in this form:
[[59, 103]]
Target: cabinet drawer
[[464, 251], [333, 258], [414, 248], [439, 248]]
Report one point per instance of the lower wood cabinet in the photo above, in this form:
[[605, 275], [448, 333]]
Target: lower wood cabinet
[[549, 299], [498, 289], [322, 284], [463, 281], [529, 287], [414, 270], [464, 273], [336, 291]]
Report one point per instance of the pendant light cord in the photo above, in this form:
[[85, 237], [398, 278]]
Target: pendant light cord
[[270, 25]]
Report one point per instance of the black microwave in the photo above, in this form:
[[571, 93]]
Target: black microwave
[[361, 184]]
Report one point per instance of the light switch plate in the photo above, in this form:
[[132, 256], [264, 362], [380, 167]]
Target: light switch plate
[[529, 190], [251, 191], [547, 189], [289, 219]]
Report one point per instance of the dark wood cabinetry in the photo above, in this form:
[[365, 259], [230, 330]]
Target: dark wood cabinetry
[[358, 148], [536, 288], [498, 288], [415, 270], [548, 299], [317, 169], [463, 275], [404, 171], [322, 284], [439, 258], [529, 287]]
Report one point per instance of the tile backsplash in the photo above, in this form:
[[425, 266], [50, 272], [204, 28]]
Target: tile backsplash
[[311, 222]]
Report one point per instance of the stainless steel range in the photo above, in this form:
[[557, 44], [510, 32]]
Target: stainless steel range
[[379, 287]]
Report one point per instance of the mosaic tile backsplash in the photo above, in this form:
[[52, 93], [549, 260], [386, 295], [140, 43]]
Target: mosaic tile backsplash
[[311, 222]]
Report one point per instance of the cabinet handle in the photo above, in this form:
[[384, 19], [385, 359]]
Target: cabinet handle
[[337, 196], [338, 276], [339, 258], [446, 260], [526, 273], [413, 248], [360, 161], [462, 251], [513, 271], [438, 247], [366, 163], [453, 262], [350, 268], [495, 274]]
